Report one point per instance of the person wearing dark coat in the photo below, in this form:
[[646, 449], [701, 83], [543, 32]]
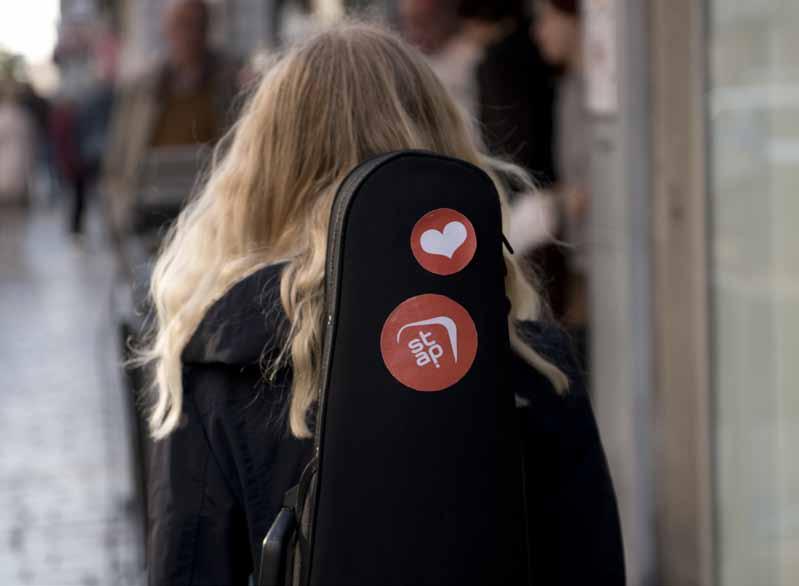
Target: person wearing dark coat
[[516, 96], [238, 291], [217, 482]]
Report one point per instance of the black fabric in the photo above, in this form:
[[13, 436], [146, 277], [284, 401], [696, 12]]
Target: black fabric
[[516, 93], [218, 482], [516, 112], [575, 531]]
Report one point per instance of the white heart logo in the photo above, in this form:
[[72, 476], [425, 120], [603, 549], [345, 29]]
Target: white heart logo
[[446, 243]]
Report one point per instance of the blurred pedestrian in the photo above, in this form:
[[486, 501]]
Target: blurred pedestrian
[[185, 100], [40, 108], [240, 286], [557, 29], [515, 114], [434, 27], [17, 143], [79, 118], [65, 134], [515, 86]]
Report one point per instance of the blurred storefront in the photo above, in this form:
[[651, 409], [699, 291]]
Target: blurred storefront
[[753, 139], [696, 287]]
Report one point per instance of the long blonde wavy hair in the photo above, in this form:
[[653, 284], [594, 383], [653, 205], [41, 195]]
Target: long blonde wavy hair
[[347, 94]]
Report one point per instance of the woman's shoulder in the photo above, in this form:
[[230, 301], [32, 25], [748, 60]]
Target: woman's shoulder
[[567, 415], [555, 345], [243, 325]]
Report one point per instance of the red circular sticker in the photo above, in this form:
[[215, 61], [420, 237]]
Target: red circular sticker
[[443, 241], [428, 342]]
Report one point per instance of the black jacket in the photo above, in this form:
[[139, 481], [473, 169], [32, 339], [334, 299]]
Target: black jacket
[[217, 482], [516, 103]]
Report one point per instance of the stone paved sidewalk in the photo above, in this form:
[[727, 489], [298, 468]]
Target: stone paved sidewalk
[[66, 496]]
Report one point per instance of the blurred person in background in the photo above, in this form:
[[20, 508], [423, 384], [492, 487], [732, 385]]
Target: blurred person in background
[[65, 136], [17, 141], [515, 86], [483, 54], [184, 100], [94, 119], [81, 113], [515, 114], [558, 32], [71, 56], [39, 107], [434, 27]]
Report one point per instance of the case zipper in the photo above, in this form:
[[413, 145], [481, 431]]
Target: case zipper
[[341, 206]]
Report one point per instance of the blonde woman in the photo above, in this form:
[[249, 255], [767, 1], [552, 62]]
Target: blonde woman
[[238, 292]]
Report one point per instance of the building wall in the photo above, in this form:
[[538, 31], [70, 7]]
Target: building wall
[[753, 107]]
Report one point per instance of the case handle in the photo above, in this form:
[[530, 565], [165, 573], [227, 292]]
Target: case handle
[[274, 551]]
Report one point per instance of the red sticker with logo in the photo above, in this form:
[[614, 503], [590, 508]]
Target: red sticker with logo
[[429, 342], [443, 241]]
